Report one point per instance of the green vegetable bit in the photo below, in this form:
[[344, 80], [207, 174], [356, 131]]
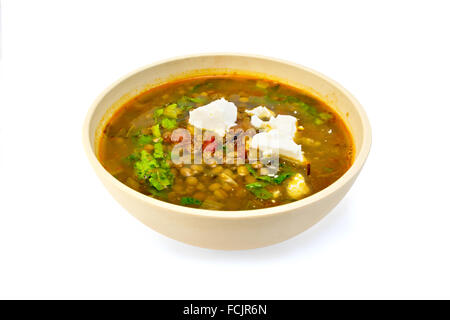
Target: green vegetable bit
[[273, 180], [318, 121], [257, 188], [256, 185], [145, 165], [172, 111], [283, 176], [190, 201], [161, 179], [142, 139], [187, 103], [157, 173], [132, 157], [158, 152], [155, 130], [169, 124], [325, 116], [251, 170], [195, 100], [158, 112], [276, 180]]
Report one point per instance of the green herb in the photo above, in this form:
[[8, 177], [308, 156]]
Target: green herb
[[155, 130], [204, 85], [325, 116], [132, 157], [262, 193], [140, 139], [145, 165], [273, 180], [197, 86], [308, 110], [196, 100], [158, 152], [164, 164], [155, 169], [172, 111], [255, 185], [283, 176], [161, 178], [187, 103], [157, 193], [190, 201], [318, 121], [167, 123], [266, 178], [158, 112], [257, 188], [251, 170]]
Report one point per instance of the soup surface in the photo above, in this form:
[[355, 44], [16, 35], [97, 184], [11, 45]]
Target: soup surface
[[137, 145]]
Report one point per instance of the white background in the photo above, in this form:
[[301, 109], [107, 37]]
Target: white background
[[63, 236]]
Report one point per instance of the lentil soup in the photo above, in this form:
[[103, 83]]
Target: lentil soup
[[137, 143]]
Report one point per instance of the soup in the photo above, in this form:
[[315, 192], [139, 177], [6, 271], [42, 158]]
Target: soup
[[226, 143]]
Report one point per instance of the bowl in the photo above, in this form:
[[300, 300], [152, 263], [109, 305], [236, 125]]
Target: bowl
[[228, 230]]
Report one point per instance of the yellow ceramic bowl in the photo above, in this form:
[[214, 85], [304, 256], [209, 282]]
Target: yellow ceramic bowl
[[228, 230]]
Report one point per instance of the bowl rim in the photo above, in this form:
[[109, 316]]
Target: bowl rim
[[350, 174]]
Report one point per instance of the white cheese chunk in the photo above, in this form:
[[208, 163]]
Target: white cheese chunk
[[273, 141], [258, 123], [217, 116], [297, 187], [277, 136], [261, 112], [287, 125]]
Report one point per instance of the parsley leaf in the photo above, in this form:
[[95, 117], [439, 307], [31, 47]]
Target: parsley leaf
[[255, 185], [167, 123], [132, 157], [273, 180], [140, 139], [283, 176], [155, 130], [158, 112], [261, 193], [172, 111], [251, 170], [161, 178], [145, 165], [190, 201], [158, 152], [257, 188]]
